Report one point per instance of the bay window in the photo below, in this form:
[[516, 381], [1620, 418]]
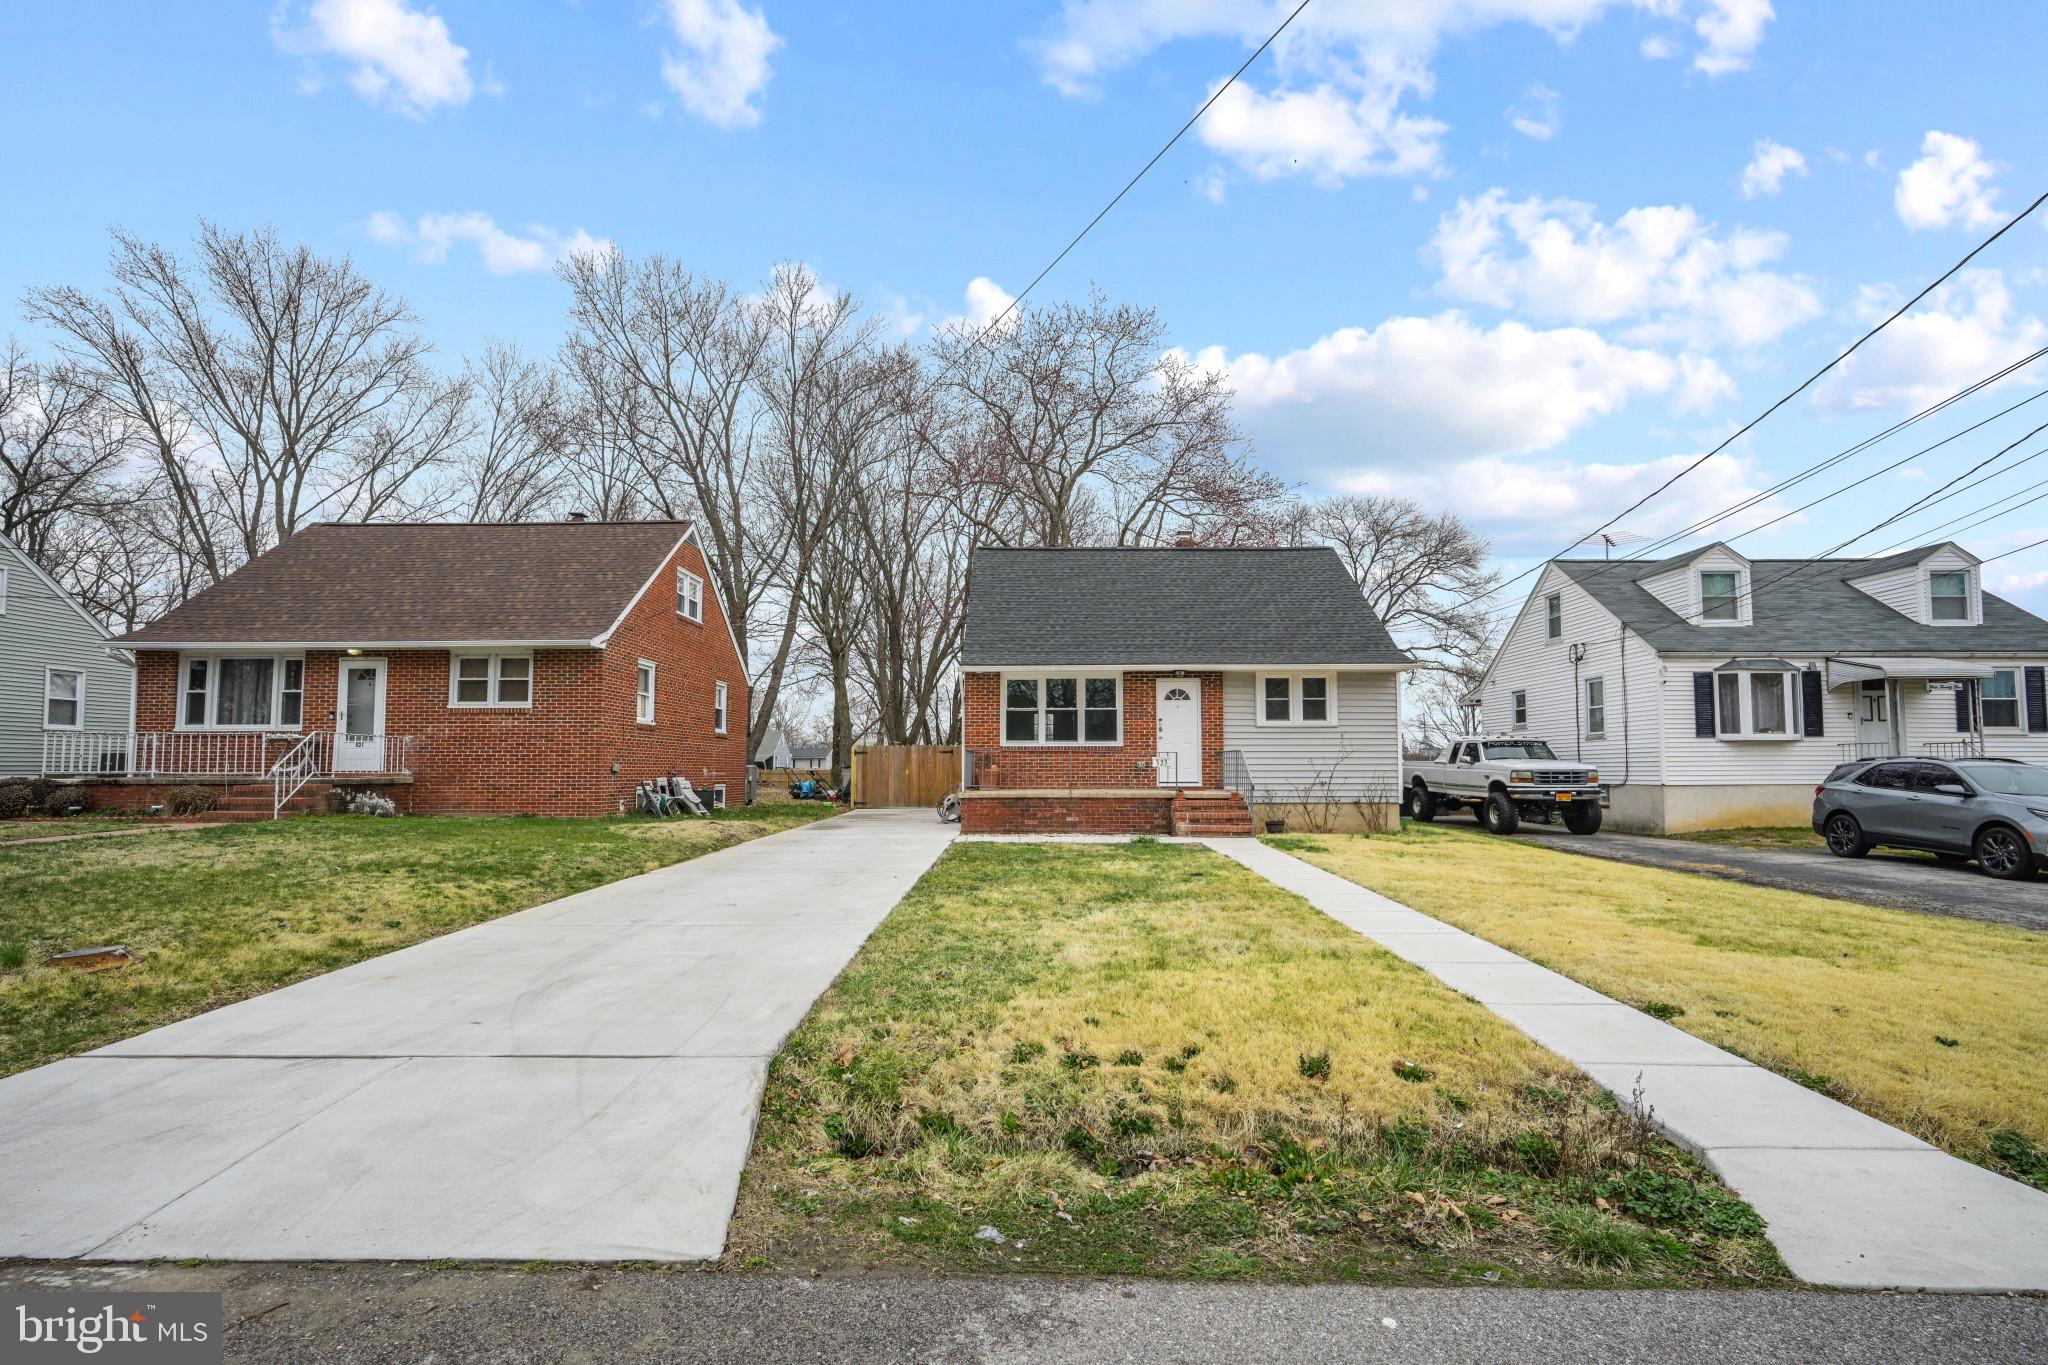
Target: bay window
[[490, 680], [1999, 698], [1296, 699], [1062, 708], [242, 692], [1756, 704]]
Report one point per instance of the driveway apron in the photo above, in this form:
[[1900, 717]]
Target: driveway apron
[[578, 1081], [1850, 1201]]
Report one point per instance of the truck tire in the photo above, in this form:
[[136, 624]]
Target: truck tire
[[1582, 819], [1421, 805], [1497, 814]]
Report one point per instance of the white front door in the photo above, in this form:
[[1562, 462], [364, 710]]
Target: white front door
[[1180, 732], [359, 717], [1874, 718]]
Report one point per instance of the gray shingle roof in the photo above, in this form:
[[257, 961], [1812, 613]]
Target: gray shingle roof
[[1805, 607], [1169, 607]]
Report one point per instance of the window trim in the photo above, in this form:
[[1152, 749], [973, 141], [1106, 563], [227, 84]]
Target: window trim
[[1736, 598], [1586, 707], [717, 796], [1553, 617], [78, 671], [3, 589], [694, 597], [1081, 679], [1294, 700], [721, 707], [1745, 706], [1518, 708], [643, 714], [2017, 699], [492, 679], [1970, 598], [211, 693]]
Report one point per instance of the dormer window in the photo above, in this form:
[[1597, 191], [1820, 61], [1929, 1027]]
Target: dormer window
[[1721, 598], [1948, 595]]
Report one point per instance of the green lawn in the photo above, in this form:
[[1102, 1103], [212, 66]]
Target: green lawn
[[14, 831], [1146, 1059], [1789, 836], [1936, 1025], [216, 915]]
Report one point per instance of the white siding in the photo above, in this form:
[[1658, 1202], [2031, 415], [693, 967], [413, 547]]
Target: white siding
[[1627, 751], [1693, 760], [1930, 717], [40, 628], [1679, 588], [1359, 757], [1905, 590]]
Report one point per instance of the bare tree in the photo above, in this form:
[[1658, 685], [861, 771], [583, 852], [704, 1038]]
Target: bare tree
[[1422, 573], [512, 464]]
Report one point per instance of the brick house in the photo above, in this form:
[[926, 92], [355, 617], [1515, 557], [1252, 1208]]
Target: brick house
[[543, 668], [1175, 691]]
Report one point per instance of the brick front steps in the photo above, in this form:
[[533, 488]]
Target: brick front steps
[[251, 801], [1211, 815]]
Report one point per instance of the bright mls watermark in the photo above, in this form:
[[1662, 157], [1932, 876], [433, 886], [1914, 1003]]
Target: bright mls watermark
[[168, 1329]]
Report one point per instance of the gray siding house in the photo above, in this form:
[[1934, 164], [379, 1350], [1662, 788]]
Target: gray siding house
[[59, 675]]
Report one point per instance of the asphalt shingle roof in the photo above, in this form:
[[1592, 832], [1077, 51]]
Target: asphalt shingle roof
[[1805, 607], [1169, 607], [348, 584]]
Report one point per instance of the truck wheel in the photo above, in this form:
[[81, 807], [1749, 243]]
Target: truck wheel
[[1497, 814], [1582, 819], [1420, 804]]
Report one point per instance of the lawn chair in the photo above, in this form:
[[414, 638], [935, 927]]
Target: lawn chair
[[686, 797], [649, 801]]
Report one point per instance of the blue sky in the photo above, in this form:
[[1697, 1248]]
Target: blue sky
[[1518, 257]]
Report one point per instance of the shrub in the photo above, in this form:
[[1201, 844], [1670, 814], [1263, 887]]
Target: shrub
[[1591, 1237], [68, 801], [190, 800], [370, 803], [15, 800]]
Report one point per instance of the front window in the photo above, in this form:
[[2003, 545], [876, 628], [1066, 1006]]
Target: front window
[[1756, 705], [491, 680], [1949, 595], [241, 695], [1521, 749], [718, 707], [1553, 612], [1062, 708], [195, 692], [689, 596], [1718, 597], [1521, 708], [643, 693], [1596, 706], [291, 697], [242, 692], [1999, 695], [1297, 699], [63, 699], [2008, 779]]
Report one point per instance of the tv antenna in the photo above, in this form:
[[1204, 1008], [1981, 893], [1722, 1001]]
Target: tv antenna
[[1610, 539]]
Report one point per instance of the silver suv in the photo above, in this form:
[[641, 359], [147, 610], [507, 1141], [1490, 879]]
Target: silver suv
[[1994, 810]]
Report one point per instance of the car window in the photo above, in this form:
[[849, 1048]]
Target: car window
[[2010, 779], [1468, 753], [1889, 776], [1928, 776], [1508, 751]]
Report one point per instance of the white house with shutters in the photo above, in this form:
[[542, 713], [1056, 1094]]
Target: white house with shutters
[[1714, 690]]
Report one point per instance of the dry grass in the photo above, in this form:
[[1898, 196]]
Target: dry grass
[[1146, 1058], [1939, 1026]]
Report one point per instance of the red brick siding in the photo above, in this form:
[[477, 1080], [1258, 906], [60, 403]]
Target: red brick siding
[[1128, 764], [1065, 815]]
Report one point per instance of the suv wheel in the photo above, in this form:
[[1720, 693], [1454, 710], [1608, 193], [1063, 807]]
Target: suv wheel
[[1845, 836], [1421, 805], [1497, 814], [2003, 853], [1582, 819]]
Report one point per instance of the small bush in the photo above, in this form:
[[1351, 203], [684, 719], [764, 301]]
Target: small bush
[[15, 799], [190, 800], [370, 803], [68, 801]]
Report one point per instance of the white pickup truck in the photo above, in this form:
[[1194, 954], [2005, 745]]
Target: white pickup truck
[[1504, 778]]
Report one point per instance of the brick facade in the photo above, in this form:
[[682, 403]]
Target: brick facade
[[577, 749], [1128, 764], [981, 813]]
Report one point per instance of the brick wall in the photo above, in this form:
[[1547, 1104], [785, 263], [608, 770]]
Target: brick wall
[[1076, 814], [1128, 764], [558, 755]]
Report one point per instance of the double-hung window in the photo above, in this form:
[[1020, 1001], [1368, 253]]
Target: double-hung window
[[1948, 595], [689, 596], [719, 694], [1999, 696], [1521, 708], [1720, 598], [242, 692], [1756, 705], [1062, 708], [490, 680], [643, 693], [1596, 706], [1297, 699], [1553, 616], [63, 699]]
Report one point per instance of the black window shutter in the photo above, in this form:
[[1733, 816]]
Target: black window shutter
[[1703, 705], [1812, 702], [2037, 699], [1963, 691]]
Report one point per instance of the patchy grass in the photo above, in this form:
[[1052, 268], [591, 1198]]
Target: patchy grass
[[217, 915], [1939, 1026], [1765, 837], [14, 831], [1144, 1059]]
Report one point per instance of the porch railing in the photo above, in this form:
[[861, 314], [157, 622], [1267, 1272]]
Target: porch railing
[[202, 753], [1855, 751], [1237, 777]]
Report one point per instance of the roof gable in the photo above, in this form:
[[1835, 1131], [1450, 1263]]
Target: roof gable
[[1862, 569], [1175, 607]]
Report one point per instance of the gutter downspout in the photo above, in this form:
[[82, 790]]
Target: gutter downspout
[[1578, 655]]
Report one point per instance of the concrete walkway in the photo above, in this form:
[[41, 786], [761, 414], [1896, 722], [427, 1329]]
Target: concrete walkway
[[578, 1081], [1851, 1202]]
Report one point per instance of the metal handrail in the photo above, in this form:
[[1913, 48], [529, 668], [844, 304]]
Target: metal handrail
[[296, 768], [1237, 777]]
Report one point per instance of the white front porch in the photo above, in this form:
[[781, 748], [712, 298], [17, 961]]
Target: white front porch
[[253, 755]]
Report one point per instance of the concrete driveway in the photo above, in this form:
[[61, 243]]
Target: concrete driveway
[[578, 1081], [1903, 881]]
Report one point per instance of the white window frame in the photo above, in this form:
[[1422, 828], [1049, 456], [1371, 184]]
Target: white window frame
[[1518, 703], [1081, 678], [643, 692], [1744, 730], [721, 708], [718, 796], [1969, 616], [211, 692], [689, 596], [3, 589], [1736, 598], [1586, 702], [493, 680], [2018, 699], [1295, 701], [49, 672], [1553, 617]]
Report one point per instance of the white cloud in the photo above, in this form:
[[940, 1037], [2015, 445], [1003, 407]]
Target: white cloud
[[1950, 183], [1437, 387], [1326, 133], [1731, 30], [1658, 48], [502, 253], [721, 65], [1970, 329], [986, 301], [403, 57], [2023, 582], [1662, 268], [1212, 185], [1769, 164], [1536, 115]]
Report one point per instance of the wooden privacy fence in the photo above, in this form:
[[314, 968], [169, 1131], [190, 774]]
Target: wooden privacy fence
[[904, 774]]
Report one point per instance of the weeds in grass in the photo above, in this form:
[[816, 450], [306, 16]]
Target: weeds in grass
[[2022, 1156], [1660, 1009], [1593, 1238], [1413, 1072], [1314, 1066], [13, 956]]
